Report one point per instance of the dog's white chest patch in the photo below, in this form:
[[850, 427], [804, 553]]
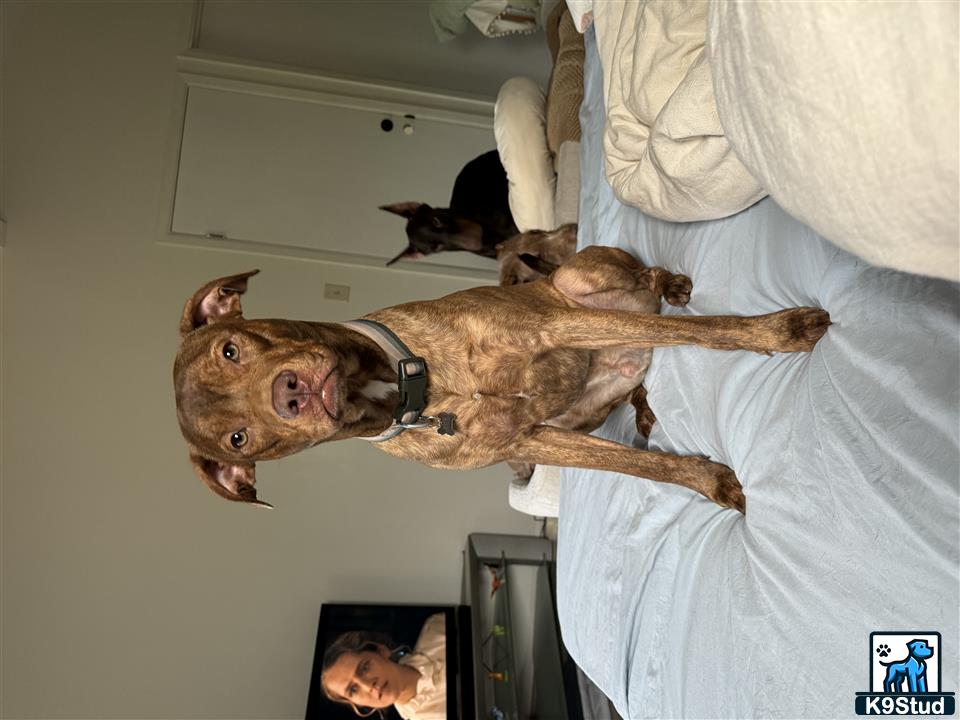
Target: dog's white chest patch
[[378, 389]]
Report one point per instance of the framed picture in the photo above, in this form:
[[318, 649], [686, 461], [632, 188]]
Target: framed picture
[[392, 662]]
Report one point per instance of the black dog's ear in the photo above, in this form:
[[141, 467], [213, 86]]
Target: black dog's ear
[[217, 299], [233, 482], [408, 253], [404, 209]]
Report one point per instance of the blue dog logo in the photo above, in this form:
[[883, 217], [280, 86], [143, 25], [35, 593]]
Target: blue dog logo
[[912, 669], [907, 686]]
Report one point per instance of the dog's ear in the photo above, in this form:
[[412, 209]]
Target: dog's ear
[[233, 482], [408, 253], [217, 299], [404, 209]]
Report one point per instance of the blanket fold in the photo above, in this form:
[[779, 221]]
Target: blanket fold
[[665, 150]]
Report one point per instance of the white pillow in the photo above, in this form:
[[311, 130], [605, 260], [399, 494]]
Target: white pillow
[[520, 127]]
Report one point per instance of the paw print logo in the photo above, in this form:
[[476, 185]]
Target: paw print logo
[[883, 650]]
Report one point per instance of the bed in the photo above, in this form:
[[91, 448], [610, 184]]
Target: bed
[[849, 457]]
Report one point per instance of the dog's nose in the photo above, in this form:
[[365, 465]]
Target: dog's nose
[[288, 394]]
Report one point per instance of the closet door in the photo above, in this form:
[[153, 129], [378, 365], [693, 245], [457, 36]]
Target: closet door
[[307, 167]]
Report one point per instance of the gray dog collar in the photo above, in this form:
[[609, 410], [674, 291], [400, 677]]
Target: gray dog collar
[[411, 382]]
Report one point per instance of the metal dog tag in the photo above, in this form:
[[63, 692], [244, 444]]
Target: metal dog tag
[[446, 423]]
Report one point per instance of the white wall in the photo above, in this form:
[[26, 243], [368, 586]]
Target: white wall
[[128, 590], [387, 39]]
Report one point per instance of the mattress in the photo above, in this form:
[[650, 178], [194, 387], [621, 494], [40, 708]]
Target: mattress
[[849, 457]]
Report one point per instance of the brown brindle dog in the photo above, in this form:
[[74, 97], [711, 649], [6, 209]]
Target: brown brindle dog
[[526, 371]]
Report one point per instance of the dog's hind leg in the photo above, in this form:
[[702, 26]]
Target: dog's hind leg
[[894, 679], [554, 446], [611, 279]]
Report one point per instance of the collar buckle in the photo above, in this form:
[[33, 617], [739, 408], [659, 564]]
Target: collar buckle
[[412, 374]]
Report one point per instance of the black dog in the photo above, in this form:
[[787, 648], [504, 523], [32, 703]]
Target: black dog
[[477, 220]]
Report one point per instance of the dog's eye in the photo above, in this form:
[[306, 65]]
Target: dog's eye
[[231, 352], [239, 439], [437, 223]]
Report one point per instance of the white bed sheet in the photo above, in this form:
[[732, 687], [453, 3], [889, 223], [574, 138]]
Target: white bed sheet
[[849, 457]]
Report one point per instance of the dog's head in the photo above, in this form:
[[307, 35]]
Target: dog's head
[[920, 649], [432, 230], [535, 254], [249, 390]]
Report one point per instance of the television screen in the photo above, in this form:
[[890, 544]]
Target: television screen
[[392, 661]]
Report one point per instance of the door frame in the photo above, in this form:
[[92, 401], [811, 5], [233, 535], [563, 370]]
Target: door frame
[[199, 69]]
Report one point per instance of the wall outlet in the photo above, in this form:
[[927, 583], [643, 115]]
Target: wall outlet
[[336, 292]]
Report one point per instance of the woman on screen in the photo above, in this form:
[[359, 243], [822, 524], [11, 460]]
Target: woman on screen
[[369, 672]]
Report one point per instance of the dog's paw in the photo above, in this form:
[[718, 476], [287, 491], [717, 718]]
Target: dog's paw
[[798, 329], [718, 483], [728, 491], [645, 417], [883, 650], [645, 421], [677, 291]]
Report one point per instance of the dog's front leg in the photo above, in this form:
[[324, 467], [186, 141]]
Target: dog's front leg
[[565, 448], [794, 330]]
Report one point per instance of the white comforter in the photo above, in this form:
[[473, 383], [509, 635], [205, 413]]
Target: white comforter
[[847, 114], [666, 152], [849, 456]]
